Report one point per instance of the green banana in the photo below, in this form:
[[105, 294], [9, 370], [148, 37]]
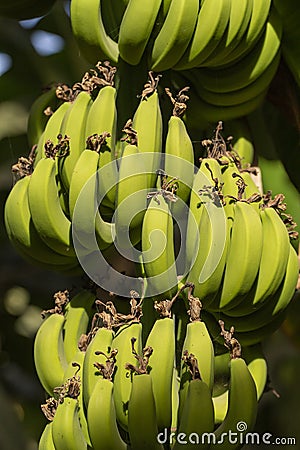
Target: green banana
[[73, 126], [158, 248], [211, 24], [49, 355], [40, 111], [102, 118], [101, 342], [83, 199], [256, 27], [207, 260], [174, 35], [241, 140], [90, 34], [237, 76], [77, 316], [23, 234], [46, 440], [122, 383], [134, 35], [142, 426], [162, 362], [198, 342], [52, 130], [132, 189], [240, 16], [244, 254], [239, 413], [147, 121], [66, 430], [179, 159], [48, 217], [101, 415], [74, 369], [197, 418]]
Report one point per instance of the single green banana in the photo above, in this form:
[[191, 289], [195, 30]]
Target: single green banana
[[142, 420], [48, 217], [90, 34], [39, 114], [73, 126], [51, 130], [83, 199], [132, 189], [101, 342], [207, 259], [211, 24], [49, 355], [197, 418], [74, 369], [134, 35], [161, 366], [66, 430], [243, 256], [77, 316], [158, 248], [239, 412], [102, 118], [123, 382], [241, 140], [147, 121], [175, 34], [198, 343], [46, 440], [101, 415], [179, 160]]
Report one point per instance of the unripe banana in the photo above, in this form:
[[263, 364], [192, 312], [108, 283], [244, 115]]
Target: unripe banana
[[132, 188], [158, 248], [101, 416], [73, 126], [46, 440], [244, 254], [89, 31], [134, 35], [49, 355], [174, 35], [101, 342], [122, 382], [39, 114], [197, 342], [242, 386], [197, 418], [77, 316], [142, 421], [66, 431], [48, 217], [161, 364], [147, 121], [102, 118]]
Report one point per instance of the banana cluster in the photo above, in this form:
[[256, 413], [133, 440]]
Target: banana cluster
[[131, 204], [228, 50], [25, 9], [111, 384]]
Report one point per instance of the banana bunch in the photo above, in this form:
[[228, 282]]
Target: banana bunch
[[25, 9], [244, 267], [102, 374]]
